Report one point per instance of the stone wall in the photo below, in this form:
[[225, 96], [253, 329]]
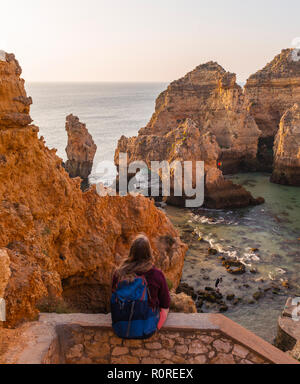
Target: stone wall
[[185, 339], [98, 346]]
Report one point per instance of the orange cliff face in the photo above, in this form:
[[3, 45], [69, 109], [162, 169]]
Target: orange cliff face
[[56, 240]]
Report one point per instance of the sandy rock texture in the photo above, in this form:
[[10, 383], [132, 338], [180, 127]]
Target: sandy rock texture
[[60, 241]]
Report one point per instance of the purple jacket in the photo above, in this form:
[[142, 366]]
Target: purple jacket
[[158, 287]]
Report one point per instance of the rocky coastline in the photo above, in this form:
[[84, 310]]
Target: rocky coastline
[[51, 230], [58, 244]]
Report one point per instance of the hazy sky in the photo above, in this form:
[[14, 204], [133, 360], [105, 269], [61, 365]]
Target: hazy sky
[[144, 40]]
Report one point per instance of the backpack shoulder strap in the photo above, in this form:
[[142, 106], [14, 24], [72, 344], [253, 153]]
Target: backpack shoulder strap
[[147, 286]]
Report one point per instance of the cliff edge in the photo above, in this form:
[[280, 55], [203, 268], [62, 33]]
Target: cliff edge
[[61, 242]]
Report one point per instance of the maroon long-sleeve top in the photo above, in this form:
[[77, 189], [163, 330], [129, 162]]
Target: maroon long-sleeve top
[[158, 287]]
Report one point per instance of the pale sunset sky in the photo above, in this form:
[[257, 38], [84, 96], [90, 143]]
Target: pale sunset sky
[[144, 40]]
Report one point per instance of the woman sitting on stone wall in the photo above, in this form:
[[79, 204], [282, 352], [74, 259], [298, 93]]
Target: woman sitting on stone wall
[[141, 300]]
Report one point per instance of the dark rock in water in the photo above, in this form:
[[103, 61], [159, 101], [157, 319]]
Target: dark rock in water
[[276, 256], [257, 295], [212, 251], [199, 303], [230, 297], [188, 229], [234, 267], [286, 284], [260, 201], [224, 308], [188, 290]]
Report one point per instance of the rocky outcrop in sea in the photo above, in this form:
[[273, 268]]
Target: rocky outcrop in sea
[[81, 149], [201, 117]]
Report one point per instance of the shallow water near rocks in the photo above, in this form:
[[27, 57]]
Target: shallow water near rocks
[[264, 238]]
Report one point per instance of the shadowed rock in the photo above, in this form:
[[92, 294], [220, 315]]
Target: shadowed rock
[[270, 92], [287, 149]]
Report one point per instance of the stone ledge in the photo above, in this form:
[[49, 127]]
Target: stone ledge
[[175, 321]]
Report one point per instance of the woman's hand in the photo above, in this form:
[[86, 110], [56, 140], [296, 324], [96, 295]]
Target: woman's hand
[[163, 318]]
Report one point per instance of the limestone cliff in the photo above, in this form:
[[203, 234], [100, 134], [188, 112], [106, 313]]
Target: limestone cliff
[[201, 117], [210, 97], [62, 242], [287, 149], [81, 149], [270, 92]]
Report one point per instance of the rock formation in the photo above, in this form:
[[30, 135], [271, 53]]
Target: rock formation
[[210, 97], [182, 303], [201, 117], [287, 149], [270, 92], [81, 149], [60, 241]]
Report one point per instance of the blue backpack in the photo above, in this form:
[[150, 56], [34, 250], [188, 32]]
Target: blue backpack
[[132, 315]]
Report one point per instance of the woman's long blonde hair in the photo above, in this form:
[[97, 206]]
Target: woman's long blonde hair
[[140, 259]]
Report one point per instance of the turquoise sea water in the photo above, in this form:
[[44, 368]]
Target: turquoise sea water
[[273, 229], [111, 110]]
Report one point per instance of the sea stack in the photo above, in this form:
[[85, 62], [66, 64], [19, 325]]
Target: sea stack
[[201, 117], [81, 149], [270, 92], [287, 149]]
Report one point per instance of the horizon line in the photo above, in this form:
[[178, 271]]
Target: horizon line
[[107, 82], [98, 81]]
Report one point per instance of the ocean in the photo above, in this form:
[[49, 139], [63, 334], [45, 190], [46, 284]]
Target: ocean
[[111, 110]]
